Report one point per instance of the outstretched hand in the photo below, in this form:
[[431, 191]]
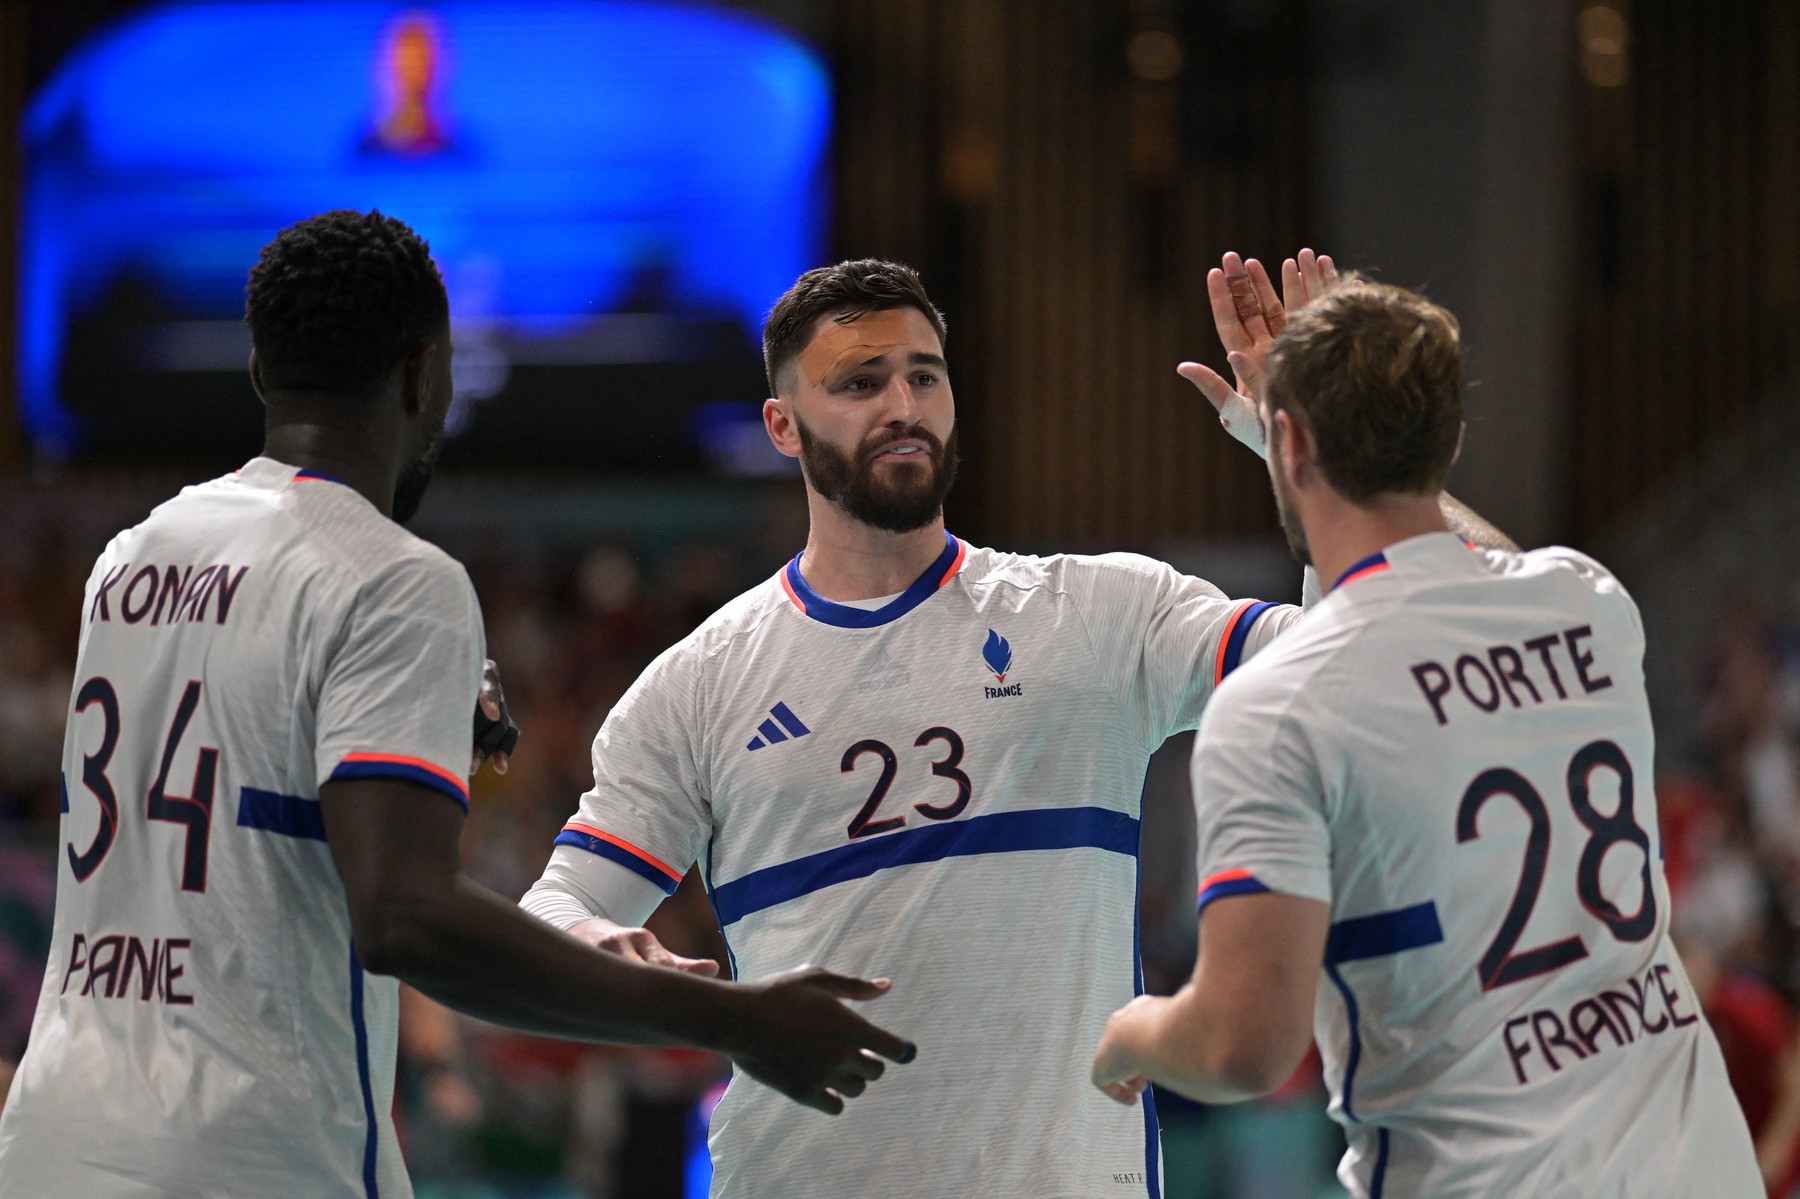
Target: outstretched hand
[[638, 945], [805, 1042]]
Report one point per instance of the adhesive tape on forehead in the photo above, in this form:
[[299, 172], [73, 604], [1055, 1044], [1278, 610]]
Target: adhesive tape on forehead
[[869, 336]]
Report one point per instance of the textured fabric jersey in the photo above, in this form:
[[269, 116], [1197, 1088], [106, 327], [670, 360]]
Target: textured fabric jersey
[[205, 1028], [944, 791], [1454, 752]]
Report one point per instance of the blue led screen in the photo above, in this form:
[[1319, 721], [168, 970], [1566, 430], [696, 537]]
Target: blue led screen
[[623, 183]]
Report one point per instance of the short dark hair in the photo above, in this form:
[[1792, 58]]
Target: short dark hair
[[1376, 373], [337, 301], [848, 289]]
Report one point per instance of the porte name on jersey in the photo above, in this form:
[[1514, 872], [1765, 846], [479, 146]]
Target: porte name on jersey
[[946, 791], [1454, 751], [255, 636]]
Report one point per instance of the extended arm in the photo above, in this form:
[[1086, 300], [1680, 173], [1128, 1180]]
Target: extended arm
[[415, 915], [1240, 1026]]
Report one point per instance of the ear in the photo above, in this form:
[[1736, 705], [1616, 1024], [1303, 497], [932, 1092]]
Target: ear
[[1290, 446], [778, 420], [256, 379], [416, 379]]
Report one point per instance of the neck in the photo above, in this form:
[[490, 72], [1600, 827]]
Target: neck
[[845, 559], [356, 454], [1341, 534]]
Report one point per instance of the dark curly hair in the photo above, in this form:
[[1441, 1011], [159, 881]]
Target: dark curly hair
[[337, 301], [848, 289]]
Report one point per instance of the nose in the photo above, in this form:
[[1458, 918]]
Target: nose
[[902, 405]]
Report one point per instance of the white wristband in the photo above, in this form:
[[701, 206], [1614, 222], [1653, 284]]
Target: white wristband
[[1240, 420]]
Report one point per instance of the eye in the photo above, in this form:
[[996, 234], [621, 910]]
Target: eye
[[925, 379], [857, 384]]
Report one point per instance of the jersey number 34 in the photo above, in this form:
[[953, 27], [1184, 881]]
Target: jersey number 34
[[193, 811]]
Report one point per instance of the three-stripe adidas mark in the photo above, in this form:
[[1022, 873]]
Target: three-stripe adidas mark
[[781, 717]]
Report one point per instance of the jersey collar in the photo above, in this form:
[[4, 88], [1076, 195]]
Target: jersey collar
[[1373, 564], [1426, 543], [845, 617]]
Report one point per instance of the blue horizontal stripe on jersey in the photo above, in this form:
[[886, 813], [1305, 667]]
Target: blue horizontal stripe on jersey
[[288, 815], [846, 617], [1382, 933], [624, 857], [1000, 832], [1233, 653], [400, 770]]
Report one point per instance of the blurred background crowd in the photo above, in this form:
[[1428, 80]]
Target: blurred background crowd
[[1604, 191]]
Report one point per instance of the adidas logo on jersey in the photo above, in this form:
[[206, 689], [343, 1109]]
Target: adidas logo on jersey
[[782, 725]]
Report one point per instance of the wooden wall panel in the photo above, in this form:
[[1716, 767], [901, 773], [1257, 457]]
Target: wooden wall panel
[[1690, 290], [1064, 209]]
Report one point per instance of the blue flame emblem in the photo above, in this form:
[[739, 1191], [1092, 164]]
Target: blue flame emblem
[[997, 654]]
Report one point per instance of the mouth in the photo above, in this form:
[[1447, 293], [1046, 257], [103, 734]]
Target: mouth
[[902, 451]]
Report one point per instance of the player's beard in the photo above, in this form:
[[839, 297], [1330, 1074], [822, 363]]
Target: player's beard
[[1290, 519], [415, 477], [910, 500]]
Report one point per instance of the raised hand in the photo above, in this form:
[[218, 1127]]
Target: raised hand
[[1248, 317], [639, 945], [1246, 312], [803, 1041]]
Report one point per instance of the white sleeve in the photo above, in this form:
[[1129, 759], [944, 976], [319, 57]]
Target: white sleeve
[[646, 819], [398, 694], [1164, 639], [577, 885], [1259, 800], [1311, 590]]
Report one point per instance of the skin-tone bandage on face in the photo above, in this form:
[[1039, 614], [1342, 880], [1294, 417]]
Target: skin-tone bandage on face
[[838, 347]]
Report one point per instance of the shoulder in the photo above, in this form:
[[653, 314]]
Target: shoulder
[[1082, 576], [1560, 567], [751, 615]]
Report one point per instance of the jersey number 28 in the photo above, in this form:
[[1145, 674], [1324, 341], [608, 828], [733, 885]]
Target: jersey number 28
[[1503, 963]]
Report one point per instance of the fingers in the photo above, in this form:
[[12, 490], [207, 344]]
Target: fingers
[[1270, 308], [1215, 389], [1224, 309], [1293, 284], [827, 1101], [704, 967], [490, 689], [1249, 372], [1246, 306], [1126, 1092], [846, 987], [501, 761]]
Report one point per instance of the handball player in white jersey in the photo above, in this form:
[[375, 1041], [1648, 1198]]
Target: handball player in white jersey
[[1427, 828], [913, 756], [264, 783]]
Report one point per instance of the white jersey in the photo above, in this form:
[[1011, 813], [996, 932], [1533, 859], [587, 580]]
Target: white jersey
[[205, 1028], [1454, 752], [944, 791]]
